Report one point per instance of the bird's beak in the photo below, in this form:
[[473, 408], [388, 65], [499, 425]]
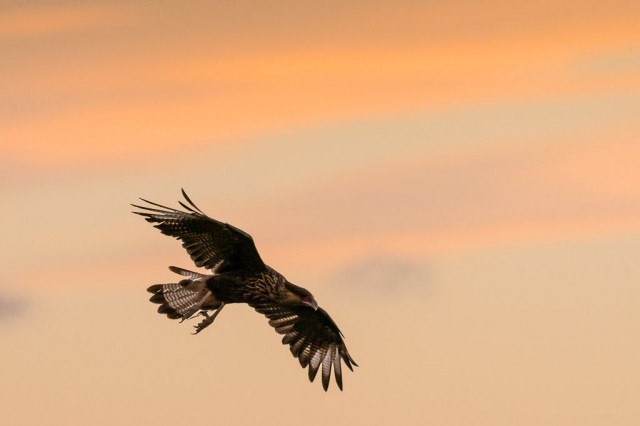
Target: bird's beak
[[310, 301]]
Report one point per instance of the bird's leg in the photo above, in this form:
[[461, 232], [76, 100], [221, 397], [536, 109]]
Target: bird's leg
[[192, 314], [208, 320]]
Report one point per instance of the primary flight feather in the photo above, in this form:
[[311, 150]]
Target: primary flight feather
[[238, 275]]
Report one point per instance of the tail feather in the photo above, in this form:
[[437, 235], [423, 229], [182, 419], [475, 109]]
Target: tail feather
[[186, 273], [183, 299]]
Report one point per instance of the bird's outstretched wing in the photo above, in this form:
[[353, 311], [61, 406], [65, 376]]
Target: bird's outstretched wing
[[211, 244], [312, 337]]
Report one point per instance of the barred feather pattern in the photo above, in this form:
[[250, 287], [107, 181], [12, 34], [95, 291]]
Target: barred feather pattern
[[240, 276], [181, 300], [269, 283], [312, 337], [211, 244]]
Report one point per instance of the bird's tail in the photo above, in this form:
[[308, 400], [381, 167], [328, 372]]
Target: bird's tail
[[183, 299]]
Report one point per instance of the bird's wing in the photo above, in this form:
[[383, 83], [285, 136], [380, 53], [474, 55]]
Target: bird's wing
[[211, 244], [312, 336]]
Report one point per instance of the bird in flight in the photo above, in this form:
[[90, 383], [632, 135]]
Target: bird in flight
[[238, 275]]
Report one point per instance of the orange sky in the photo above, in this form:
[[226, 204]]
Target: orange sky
[[102, 94], [456, 182]]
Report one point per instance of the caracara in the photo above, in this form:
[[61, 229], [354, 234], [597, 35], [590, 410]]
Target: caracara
[[238, 275]]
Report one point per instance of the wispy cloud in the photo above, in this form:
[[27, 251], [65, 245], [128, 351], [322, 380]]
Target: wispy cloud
[[47, 21], [11, 306], [386, 276], [118, 96]]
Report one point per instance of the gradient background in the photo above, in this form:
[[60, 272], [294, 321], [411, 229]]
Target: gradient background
[[458, 182]]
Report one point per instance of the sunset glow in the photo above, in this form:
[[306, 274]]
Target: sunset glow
[[458, 184]]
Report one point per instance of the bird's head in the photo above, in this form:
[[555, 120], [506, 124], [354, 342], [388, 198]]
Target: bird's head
[[301, 296], [310, 301]]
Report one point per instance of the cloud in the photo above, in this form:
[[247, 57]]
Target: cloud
[[382, 276], [11, 306], [47, 21], [128, 87]]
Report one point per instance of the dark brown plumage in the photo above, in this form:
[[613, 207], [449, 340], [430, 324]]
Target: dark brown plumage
[[240, 276]]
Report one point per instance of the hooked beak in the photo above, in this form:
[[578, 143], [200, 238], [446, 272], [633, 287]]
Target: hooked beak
[[310, 301]]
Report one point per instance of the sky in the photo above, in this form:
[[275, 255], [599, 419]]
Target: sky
[[456, 182]]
